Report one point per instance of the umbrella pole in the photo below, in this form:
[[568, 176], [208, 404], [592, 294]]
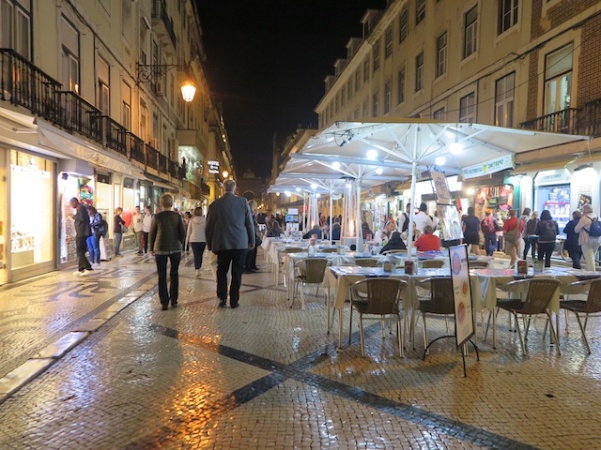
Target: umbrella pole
[[358, 227], [331, 211], [412, 200]]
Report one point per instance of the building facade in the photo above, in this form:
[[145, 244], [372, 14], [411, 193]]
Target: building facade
[[90, 108], [530, 64]]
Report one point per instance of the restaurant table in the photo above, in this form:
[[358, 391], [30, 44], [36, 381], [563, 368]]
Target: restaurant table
[[484, 292], [338, 280]]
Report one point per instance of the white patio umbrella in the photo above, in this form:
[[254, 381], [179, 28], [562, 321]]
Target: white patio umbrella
[[388, 149]]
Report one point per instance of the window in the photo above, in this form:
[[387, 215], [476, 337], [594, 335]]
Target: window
[[356, 115], [126, 106], [70, 56], [388, 43], [441, 54], [387, 97], [366, 70], [508, 14], [357, 79], [377, 54], [403, 25], [401, 86], [375, 105], [337, 102], [558, 79], [144, 40], [420, 11], [104, 87], [15, 27], [467, 108], [349, 88], [504, 100], [365, 108], [126, 27], [471, 31], [342, 96], [419, 72], [439, 114], [143, 121]]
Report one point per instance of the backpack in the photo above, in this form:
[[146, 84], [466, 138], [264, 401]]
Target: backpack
[[594, 230], [487, 226], [102, 227]]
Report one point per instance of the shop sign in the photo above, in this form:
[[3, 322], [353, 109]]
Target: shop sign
[[492, 166], [213, 166], [553, 177]]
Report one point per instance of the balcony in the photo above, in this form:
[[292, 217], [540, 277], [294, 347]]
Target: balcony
[[564, 121], [175, 170], [152, 157], [136, 149], [161, 21], [23, 84], [115, 135], [163, 166], [78, 116], [590, 119]]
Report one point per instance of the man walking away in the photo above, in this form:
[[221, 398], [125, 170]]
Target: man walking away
[[82, 232], [230, 234], [137, 219]]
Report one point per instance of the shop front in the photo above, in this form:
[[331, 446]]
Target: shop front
[[552, 192], [27, 218]]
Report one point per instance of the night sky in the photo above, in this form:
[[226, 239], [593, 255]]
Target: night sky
[[266, 61]]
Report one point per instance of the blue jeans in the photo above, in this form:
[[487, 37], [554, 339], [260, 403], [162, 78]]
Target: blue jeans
[[171, 294], [198, 249], [118, 237], [93, 249]]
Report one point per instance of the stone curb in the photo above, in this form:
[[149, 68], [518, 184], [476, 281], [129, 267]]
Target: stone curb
[[40, 362]]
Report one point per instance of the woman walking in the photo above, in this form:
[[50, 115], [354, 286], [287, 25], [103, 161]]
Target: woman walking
[[547, 231], [530, 238], [146, 223], [197, 238], [118, 224], [589, 244], [571, 243], [167, 236]]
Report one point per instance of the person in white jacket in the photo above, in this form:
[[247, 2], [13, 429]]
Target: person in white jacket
[[589, 244], [197, 238], [146, 223]]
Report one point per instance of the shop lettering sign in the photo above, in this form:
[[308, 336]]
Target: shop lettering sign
[[492, 166], [213, 166]]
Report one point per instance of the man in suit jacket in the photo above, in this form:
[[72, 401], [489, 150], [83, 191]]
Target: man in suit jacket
[[230, 234], [82, 232]]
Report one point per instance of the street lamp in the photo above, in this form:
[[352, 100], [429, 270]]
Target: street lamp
[[225, 173], [151, 72], [188, 91]]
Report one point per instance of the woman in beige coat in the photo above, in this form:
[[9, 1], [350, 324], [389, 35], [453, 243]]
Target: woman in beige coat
[[589, 244]]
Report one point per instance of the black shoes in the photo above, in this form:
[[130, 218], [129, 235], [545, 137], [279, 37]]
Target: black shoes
[[164, 307], [222, 303], [235, 305]]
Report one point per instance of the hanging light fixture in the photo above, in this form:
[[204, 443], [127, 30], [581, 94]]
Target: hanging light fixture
[[188, 91]]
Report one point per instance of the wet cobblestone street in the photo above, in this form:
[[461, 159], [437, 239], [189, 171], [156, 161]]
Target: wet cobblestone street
[[268, 376]]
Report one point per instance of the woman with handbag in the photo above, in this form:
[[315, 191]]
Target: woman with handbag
[[511, 235], [118, 230], [547, 231], [589, 244]]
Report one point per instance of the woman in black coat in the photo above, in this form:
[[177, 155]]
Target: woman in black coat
[[571, 243], [395, 243]]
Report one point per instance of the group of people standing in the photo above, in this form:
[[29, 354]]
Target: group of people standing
[[539, 235]]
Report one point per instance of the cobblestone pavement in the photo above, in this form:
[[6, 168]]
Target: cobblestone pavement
[[267, 376]]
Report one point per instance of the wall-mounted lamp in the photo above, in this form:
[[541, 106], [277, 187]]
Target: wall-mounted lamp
[[151, 72]]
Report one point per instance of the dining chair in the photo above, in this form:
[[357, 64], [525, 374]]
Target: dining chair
[[477, 264], [328, 250], [432, 264], [395, 252], [282, 257], [566, 291], [366, 262], [311, 274], [591, 307], [378, 297], [440, 303], [539, 295]]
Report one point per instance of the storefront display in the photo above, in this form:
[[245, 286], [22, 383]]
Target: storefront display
[[31, 220], [494, 199], [3, 239], [553, 194]]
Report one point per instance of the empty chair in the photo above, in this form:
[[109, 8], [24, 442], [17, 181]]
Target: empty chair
[[366, 262], [282, 255], [440, 303], [589, 307], [311, 274], [378, 297], [539, 295], [432, 264]]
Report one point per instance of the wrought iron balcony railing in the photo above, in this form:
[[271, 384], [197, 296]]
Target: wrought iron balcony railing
[[136, 148], [25, 85], [159, 11], [152, 157], [114, 135], [77, 115], [163, 166], [564, 121]]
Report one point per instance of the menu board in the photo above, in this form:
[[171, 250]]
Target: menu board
[[464, 324]]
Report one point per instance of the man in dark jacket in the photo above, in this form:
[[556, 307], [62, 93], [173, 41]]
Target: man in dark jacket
[[82, 232], [167, 235], [230, 234]]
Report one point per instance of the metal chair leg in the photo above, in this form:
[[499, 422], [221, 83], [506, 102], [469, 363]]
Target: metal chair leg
[[583, 329], [519, 333], [362, 337]]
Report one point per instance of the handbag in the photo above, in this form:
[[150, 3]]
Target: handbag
[[511, 236], [124, 229]]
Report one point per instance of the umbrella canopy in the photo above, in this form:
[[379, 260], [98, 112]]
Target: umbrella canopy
[[381, 150]]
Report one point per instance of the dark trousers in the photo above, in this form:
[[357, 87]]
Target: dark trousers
[[224, 258], [576, 255], [251, 259], [490, 243], [81, 247], [198, 249], [145, 241], [161, 261], [545, 249], [530, 244]]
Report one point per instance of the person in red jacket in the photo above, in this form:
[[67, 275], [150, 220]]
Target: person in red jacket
[[427, 241]]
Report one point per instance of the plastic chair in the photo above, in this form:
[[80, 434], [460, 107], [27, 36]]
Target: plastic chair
[[282, 256], [539, 295], [589, 307], [312, 274], [377, 297]]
